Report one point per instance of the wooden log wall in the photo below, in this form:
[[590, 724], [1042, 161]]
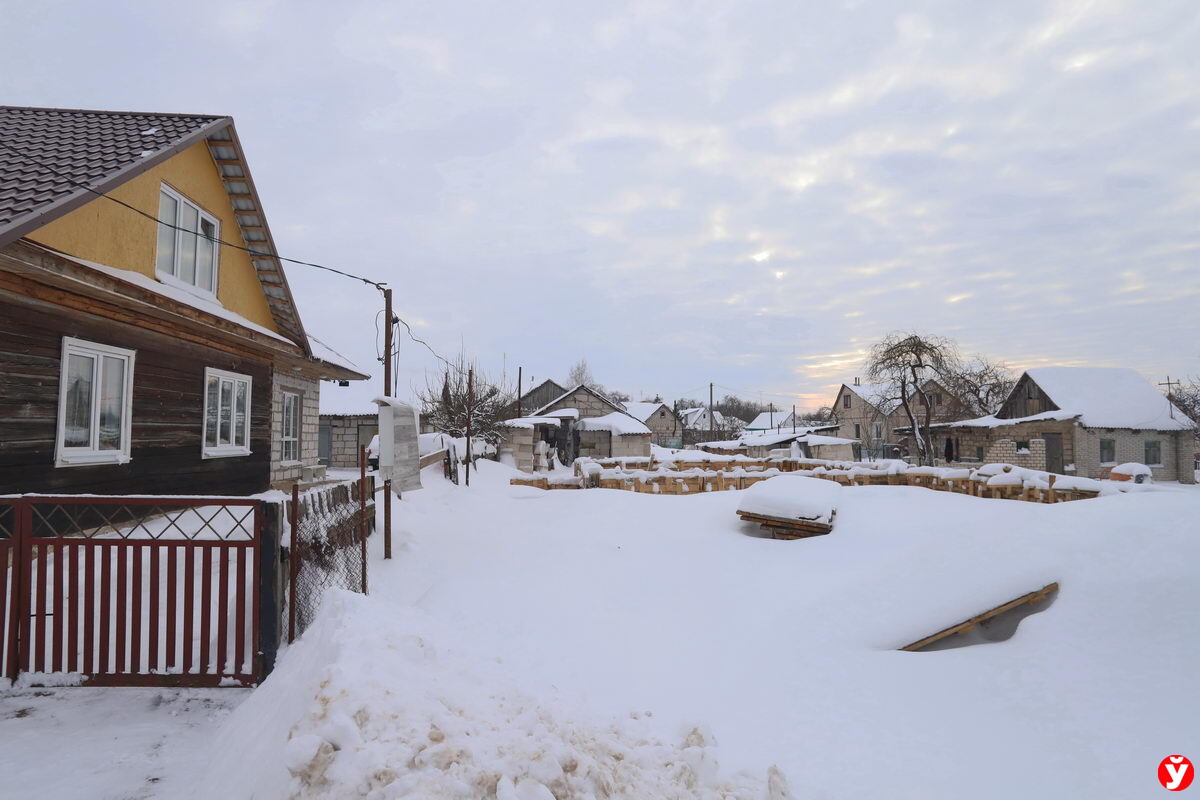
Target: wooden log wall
[[167, 414]]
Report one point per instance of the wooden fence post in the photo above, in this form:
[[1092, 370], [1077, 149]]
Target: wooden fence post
[[387, 518], [293, 561], [362, 507]]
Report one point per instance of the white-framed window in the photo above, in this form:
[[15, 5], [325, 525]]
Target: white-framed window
[[1154, 453], [877, 431], [846, 401], [226, 414], [290, 437], [95, 402], [1108, 452], [187, 254]]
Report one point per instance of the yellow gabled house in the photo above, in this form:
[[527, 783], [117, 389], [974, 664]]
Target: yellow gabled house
[[149, 342]]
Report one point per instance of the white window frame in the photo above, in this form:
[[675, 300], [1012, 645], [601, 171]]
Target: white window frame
[[1158, 444], [225, 450], [92, 454], [170, 277], [284, 438], [877, 431]]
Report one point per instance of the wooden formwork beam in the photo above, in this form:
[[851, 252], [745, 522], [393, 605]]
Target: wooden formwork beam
[[966, 625]]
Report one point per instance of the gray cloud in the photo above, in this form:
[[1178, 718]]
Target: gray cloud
[[685, 192]]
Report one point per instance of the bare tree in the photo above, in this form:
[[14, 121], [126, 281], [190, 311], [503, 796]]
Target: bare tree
[[1187, 398], [906, 362], [445, 399], [979, 384], [581, 375]]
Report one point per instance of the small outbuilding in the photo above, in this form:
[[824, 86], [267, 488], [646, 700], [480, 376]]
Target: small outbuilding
[[1079, 421]]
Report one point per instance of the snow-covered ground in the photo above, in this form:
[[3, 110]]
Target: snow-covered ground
[[607, 643], [526, 644], [108, 744]]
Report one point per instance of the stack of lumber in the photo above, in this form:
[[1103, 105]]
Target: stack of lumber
[[791, 506]]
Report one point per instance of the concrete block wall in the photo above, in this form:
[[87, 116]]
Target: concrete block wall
[[1004, 451], [1130, 445], [343, 437], [309, 390], [587, 403], [631, 446]]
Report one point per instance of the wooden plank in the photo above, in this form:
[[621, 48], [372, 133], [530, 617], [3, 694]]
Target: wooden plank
[[968, 624]]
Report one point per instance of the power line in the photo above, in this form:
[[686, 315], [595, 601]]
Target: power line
[[377, 284], [72, 181]]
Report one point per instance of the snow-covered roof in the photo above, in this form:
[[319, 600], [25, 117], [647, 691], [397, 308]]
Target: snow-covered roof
[[877, 394], [817, 439], [564, 413], [618, 423], [1109, 397], [642, 411], [770, 420], [576, 389], [324, 352], [529, 422]]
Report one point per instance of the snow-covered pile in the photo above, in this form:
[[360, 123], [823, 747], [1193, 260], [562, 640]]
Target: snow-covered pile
[[376, 701], [792, 497]]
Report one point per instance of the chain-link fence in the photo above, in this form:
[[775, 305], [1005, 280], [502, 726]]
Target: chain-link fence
[[328, 547]]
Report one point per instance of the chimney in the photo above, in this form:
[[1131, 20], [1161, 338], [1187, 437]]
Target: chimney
[[856, 381]]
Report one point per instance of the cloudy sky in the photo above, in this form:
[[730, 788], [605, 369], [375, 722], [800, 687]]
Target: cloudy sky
[[743, 193]]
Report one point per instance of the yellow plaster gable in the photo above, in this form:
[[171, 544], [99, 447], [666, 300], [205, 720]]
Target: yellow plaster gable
[[107, 233]]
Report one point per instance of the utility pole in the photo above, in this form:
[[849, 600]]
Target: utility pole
[[772, 417], [470, 402], [389, 325], [387, 343], [793, 417], [519, 391], [1170, 384], [712, 420]]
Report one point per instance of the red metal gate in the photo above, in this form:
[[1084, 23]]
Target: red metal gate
[[130, 591]]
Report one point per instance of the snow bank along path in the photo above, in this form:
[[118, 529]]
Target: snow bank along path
[[540, 620]]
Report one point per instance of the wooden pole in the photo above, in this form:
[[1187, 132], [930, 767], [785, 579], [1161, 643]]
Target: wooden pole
[[793, 417], [712, 417], [470, 402], [362, 507], [387, 343], [519, 391], [387, 518], [293, 562]]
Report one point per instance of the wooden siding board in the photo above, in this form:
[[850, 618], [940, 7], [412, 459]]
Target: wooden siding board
[[167, 410]]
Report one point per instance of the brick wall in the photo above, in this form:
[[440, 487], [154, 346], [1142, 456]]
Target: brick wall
[[309, 390], [1130, 445], [344, 439]]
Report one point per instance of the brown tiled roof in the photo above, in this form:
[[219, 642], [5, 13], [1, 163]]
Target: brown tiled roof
[[53, 150], [98, 148]]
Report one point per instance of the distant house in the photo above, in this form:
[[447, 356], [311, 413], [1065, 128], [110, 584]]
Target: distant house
[[535, 398], [140, 354], [1078, 421], [771, 421], [699, 424], [872, 414], [589, 424], [585, 400], [666, 429]]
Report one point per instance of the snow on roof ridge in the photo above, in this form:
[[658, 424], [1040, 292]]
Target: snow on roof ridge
[[1109, 397], [617, 422]]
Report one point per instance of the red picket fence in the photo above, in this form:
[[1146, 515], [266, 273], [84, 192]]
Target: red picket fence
[[130, 591]]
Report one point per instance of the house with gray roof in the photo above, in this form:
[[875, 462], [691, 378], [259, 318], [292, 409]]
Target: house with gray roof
[[149, 339]]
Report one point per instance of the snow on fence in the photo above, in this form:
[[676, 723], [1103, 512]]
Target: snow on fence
[[692, 475]]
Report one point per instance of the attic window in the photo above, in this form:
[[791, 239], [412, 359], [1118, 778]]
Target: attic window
[[187, 243]]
